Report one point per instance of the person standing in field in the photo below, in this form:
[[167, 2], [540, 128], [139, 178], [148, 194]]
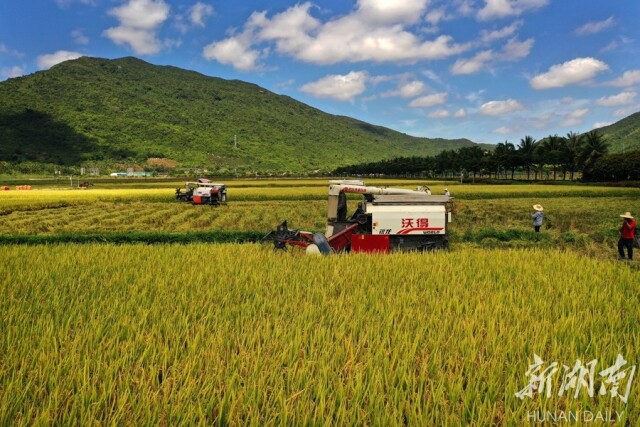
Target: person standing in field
[[446, 192], [537, 217], [627, 234]]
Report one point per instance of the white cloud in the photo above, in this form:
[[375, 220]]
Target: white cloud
[[429, 100], [598, 125], [139, 22], [611, 46], [503, 130], [67, 3], [578, 70], [432, 76], [494, 9], [235, 51], [339, 87], [436, 15], [574, 118], [79, 37], [439, 114], [628, 78], [578, 113], [411, 89], [199, 12], [409, 123], [472, 65], [51, 59], [392, 12], [459, 114], [490, 36], [623, 98], [498, 108], [376, 31], [475, 97], [11, 72], [595, 27], [12, 52], [515, 49], [627, 111]]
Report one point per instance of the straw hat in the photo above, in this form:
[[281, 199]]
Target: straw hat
[[626, 215], [538, 208]]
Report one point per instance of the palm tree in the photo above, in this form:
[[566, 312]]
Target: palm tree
[[594, 146], [572, 151], [551, 152], [526, 151]]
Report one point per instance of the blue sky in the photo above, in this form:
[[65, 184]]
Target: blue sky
[[487, 70]]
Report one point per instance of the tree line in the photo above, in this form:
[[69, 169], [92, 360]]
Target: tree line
[[552, 156]]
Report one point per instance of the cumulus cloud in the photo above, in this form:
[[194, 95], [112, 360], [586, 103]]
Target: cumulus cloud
[[79, 37], [391, 12], [598, 125], [410, 89], [4, 49], [139, 22], [574, 118], [627, 111], [494, 9], [502, 33], [513, 50], [439, 114], [578, 70], [376, 31], [628, 78], [51, 59], [472, 65], [595, 27], [338, 87], [235, 51], [429, 100], [503, 130], [67, 3], [11, 72], [623, 98], [499, 108], [459, 114], [199, 12]]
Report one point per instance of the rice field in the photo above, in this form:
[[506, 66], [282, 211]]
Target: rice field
[[235, 334]]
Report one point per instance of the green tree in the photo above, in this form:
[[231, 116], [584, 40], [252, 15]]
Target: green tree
[[526, 152], [572, 153]]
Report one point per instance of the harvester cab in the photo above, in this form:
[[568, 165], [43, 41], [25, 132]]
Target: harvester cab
[[203, 192], [386, 219]]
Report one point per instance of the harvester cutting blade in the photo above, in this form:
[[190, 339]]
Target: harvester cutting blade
[[281, 236]]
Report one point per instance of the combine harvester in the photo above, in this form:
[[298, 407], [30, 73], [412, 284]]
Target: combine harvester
[[203, 192], [387, 219]]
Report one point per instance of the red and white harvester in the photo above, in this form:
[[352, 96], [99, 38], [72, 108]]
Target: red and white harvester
[[386, 219], [203, 192]]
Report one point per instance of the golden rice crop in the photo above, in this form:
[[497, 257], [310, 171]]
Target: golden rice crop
[[237, 334], [54, 198]]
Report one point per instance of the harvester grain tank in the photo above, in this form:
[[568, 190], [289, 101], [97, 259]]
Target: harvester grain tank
[[386, 219]]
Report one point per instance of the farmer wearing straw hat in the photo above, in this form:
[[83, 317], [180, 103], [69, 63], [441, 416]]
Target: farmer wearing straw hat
[[627, 234], [537, 217]]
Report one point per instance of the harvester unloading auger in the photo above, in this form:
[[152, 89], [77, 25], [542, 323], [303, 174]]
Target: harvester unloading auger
[[386, 219]]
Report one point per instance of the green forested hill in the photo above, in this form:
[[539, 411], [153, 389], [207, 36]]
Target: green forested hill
[[98, 111], [623, 135]]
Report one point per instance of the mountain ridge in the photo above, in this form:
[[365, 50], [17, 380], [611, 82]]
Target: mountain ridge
[[109, 111]]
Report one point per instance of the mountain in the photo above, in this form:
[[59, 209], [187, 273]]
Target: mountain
[[94, 111], [623, 135]]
